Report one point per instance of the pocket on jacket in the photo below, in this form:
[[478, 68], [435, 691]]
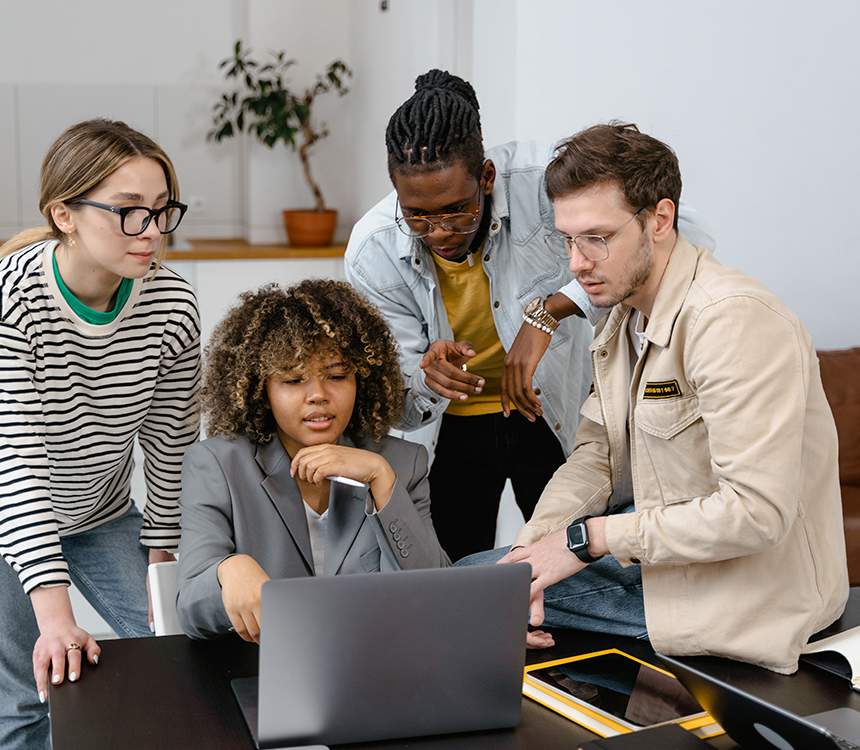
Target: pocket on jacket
[[676, 440], [370, 560]]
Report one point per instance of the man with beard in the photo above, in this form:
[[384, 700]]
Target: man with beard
[[707, 403]]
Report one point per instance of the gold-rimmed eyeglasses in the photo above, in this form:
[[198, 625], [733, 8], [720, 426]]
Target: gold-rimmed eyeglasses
[[457, 223], [594, 247]]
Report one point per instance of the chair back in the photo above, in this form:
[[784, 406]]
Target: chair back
[[162, 588]]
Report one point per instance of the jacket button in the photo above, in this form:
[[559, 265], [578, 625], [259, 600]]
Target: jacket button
[[401, 544], [434, 400], [392, 527], [396, 536], [496, 303], [537, 391], [404, 553], [495, 226], [604, 354], [557, 426], [487, 256], [635, 560]]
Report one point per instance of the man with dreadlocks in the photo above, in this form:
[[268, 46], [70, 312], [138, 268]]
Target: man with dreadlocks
[[461, 260]]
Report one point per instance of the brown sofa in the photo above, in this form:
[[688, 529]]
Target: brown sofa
[[840, 373]]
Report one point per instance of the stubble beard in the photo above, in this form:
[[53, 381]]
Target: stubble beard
[[636, 273]]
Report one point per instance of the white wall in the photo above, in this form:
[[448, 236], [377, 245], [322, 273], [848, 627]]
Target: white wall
[[99, 41], [759, 100], [63, 62], [391, 49]]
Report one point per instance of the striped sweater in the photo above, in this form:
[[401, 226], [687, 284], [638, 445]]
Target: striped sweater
[[74, 396]]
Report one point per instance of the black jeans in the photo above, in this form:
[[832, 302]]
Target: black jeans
[[474, 458]]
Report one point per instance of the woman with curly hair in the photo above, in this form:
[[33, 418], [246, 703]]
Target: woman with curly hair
[[301, 384]]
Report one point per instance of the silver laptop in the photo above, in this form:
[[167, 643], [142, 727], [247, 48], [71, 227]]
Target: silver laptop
[[755, 723], [360, 658]]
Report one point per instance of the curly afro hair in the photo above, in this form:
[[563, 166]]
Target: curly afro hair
[[273, 330]]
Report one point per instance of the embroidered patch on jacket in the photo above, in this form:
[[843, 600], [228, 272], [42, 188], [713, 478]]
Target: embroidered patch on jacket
[[662, 389]]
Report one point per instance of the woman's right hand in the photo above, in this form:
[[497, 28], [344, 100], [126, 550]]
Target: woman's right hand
[[242, 579], [52, 657]]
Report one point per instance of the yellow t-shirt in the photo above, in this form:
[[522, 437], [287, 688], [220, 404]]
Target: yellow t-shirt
[[466, 295]]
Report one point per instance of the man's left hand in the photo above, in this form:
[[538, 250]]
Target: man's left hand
[[551, 562]]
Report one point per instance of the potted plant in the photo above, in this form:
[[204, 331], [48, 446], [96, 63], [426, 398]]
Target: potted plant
[[264, 104]]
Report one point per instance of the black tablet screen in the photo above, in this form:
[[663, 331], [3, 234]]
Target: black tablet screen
[[622, 687]]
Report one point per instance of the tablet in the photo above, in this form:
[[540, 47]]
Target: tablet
[[611, 692]]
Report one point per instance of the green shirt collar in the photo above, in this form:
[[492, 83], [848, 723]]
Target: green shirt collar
[[87, 314]]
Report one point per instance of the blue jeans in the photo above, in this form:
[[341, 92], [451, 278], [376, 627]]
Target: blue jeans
[[108, 565], [603, 597]]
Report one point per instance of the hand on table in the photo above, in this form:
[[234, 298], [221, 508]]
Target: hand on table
[[242, 579], [52, 657]]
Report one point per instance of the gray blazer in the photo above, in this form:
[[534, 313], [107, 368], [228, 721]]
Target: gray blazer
[[238, 498]]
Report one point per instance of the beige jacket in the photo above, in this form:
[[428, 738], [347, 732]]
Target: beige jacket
[[738, 520]]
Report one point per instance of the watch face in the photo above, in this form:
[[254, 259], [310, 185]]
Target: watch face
[[576, 535]]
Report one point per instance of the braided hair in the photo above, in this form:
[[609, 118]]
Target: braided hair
[[438, 125]]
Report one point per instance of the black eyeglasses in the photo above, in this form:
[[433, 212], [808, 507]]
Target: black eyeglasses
[[456, 223], [133, 220]]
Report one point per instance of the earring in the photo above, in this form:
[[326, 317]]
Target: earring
[[70, 241]]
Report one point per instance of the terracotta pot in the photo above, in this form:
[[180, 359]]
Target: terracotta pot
[[309, 228]]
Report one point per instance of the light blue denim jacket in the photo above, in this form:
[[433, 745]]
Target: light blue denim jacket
[[397, 275]]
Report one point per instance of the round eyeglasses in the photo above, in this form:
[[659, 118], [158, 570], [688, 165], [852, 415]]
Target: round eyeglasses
[[594, 247], [134, 220], [455, 223]]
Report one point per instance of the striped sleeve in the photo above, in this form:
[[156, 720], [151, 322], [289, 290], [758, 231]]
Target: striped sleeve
[[29, 536], [171, 425]]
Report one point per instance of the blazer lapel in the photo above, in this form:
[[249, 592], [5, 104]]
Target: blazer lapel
[[284, 494]]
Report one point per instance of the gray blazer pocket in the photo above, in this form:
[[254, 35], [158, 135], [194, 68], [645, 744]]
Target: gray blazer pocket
[[369, 561]]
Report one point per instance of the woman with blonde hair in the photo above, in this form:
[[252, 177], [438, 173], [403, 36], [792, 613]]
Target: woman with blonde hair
[[301, 385], [99, 345]]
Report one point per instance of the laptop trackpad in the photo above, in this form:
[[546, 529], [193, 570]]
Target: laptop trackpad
[[843, 722]]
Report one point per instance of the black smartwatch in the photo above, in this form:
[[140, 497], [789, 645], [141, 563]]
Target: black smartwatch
[[577, 540]]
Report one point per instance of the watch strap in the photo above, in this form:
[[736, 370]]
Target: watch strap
[[535, 314]]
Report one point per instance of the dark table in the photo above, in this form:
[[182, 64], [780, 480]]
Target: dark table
[[171, 692]]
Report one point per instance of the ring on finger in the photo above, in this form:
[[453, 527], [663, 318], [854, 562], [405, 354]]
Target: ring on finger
[[464, 367], [73, 647]]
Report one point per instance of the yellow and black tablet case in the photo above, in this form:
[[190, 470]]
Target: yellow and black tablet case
[[594, 719]]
